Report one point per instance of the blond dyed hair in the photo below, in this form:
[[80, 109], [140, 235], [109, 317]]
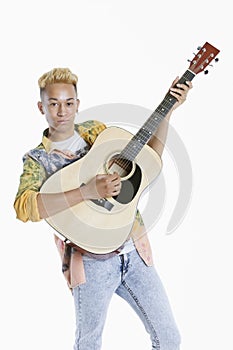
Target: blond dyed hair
[[58, 75]]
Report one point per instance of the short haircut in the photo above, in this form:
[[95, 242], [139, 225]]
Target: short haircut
[[57, 75]]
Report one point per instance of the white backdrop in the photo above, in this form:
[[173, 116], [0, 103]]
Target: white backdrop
[[124, 52]]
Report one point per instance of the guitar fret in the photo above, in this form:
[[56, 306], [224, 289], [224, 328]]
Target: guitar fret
[[150, 126]]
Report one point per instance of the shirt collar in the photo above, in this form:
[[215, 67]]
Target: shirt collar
[[47, 142]]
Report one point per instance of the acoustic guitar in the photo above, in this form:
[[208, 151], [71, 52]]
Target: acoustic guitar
[[102, 226]]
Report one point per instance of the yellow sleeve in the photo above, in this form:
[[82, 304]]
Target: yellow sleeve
[[31, 180], [26, 206]]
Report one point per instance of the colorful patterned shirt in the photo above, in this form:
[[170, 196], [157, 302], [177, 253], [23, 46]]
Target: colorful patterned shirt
[[40, 163]]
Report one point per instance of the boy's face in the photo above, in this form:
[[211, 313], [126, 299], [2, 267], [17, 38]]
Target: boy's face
[[59, 105]]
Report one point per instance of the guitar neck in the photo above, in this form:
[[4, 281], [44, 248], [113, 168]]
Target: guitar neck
[[150, 126]]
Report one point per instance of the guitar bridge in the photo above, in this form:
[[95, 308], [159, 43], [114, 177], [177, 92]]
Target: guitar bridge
[[102, 202]]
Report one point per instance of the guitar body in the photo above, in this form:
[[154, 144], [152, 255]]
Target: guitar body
[[102, 226]]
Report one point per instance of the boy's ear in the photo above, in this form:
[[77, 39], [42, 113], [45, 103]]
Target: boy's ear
[[40, 107]]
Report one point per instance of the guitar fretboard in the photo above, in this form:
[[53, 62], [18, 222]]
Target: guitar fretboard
[[150, 126]]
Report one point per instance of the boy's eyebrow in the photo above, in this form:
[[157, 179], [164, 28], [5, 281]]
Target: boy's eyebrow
[[56, 99]]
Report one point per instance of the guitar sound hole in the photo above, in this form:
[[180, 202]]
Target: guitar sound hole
[[122, 166]]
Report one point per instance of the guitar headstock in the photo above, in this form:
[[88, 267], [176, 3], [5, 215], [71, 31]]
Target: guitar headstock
[[203, 58]]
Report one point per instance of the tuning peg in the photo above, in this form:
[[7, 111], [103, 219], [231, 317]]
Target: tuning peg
[[199, 48], [216, 59], [206, 71]]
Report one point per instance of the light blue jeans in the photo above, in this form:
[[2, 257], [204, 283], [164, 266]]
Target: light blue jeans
[[129, 277]]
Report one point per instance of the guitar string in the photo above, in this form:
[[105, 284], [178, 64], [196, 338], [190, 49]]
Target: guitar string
[[154, 120], [152, 123]]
